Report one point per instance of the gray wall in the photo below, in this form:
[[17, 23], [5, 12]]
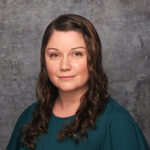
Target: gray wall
[[124, 28]]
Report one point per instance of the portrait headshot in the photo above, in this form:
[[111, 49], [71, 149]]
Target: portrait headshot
[[75, 75]]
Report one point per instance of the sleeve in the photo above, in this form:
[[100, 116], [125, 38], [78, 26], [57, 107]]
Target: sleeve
[[25, 117], [123, 134]]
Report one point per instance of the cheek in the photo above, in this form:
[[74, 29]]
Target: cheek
[[51, 69], [82, 67]]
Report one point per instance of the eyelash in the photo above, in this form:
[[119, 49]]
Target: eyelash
[[53, 55], [78, 53], [74, 54]]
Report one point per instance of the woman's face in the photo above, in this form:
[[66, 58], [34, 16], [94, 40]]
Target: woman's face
[[66, 60]]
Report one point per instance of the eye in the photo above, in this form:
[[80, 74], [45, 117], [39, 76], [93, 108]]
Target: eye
[[77, 54], [53, 55]]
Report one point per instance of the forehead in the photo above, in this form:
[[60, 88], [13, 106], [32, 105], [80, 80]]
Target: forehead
[[66, 33], [66, 39]]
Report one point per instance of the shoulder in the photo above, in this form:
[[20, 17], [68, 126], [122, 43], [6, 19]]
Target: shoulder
[[26, 115], [114, 117], [117, 117], [24, 118], [120, 129], [29, 110], [114, 110]]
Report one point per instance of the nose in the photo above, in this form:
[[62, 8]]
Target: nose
[[65, 64]]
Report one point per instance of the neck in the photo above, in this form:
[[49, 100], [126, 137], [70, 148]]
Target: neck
[[68, 102]]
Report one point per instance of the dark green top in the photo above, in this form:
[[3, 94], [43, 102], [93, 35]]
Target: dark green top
[[116, 130]]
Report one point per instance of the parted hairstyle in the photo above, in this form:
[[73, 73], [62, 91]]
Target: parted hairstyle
[[94, 99]]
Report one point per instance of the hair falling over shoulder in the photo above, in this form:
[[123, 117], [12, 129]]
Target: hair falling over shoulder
[[93, 101]]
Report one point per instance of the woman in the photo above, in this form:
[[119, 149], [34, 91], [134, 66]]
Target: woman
[[74, 109]]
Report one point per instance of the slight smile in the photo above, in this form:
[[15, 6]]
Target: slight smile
[[66, 77]]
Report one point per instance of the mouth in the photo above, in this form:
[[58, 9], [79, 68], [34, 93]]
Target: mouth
[[66, 77]]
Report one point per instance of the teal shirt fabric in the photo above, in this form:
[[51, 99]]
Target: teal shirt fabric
[[116, 130]]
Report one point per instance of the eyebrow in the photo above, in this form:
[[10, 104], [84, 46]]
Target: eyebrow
[[51, 48], [78, 48]]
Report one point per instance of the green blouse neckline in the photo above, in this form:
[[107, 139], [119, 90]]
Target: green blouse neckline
[[62, 118]]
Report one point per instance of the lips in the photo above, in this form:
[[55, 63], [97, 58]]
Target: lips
[[66, 77]]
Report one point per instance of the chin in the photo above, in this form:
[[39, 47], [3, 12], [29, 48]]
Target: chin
[[71, 89], [66, 89]]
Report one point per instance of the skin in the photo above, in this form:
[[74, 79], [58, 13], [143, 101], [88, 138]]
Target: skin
[[66, 64]]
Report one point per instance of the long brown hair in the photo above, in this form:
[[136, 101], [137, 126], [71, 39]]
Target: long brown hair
[[93, 101]]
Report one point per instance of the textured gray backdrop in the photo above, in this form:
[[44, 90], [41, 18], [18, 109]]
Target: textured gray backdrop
[[124, 29]]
